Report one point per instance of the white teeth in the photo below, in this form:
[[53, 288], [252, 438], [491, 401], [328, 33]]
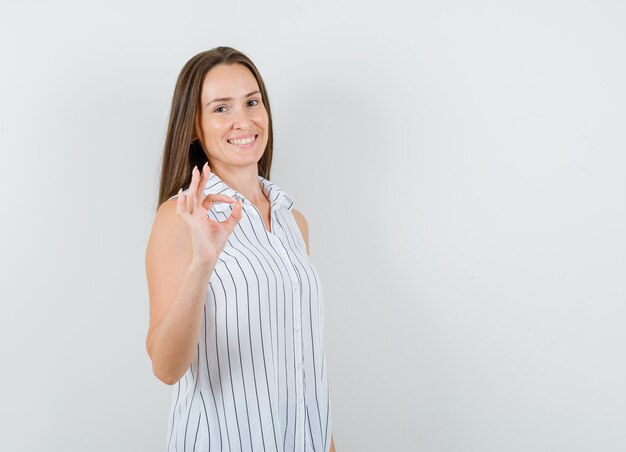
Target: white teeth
[[240, 142]]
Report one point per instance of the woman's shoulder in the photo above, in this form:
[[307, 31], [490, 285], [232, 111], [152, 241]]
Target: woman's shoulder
[[299, 217], [168, 229], [167, 211], [303, 225]]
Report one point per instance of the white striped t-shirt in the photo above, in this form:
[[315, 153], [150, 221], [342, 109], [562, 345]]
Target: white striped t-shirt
[[258, 381]]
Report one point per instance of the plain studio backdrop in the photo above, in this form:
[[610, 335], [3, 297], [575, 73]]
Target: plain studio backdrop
[[462, 167]]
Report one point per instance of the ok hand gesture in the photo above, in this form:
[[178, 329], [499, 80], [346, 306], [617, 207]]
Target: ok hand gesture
[[208, 237]]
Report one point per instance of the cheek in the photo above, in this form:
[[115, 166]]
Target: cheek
[[262, 118], [213, 129]]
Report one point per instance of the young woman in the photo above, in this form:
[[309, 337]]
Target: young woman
[[236, 305]]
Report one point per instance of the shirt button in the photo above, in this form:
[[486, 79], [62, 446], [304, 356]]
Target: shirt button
[[298, 328], [295, 286], [300, 400]]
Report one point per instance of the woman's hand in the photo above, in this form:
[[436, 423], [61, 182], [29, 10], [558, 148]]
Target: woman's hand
[[208, 237]]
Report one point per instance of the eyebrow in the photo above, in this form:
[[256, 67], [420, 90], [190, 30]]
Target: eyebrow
[[223, 99]]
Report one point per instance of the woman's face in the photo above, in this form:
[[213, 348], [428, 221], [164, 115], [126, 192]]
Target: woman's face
[[231, 108]]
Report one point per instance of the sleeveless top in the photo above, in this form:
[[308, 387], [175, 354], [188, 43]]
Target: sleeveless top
[[258, 381]]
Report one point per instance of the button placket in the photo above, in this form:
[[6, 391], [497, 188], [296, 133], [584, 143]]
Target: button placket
[[297, 327]]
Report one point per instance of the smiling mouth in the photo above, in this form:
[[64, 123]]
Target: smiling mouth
[[246, 142]]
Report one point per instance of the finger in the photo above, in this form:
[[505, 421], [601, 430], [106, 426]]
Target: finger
[[180, 203], [216, 197], [193, 188], [203, 181]]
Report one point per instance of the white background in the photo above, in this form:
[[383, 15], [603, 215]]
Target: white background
[[462, 168]]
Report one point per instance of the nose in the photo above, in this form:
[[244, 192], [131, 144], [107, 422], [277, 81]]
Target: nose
[[242, 119]]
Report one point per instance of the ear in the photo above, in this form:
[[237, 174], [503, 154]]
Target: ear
[[196, 129]]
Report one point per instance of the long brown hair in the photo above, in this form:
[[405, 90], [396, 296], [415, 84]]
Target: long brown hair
[[181, 152]]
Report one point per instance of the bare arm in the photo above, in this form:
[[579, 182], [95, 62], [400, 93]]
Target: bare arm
[[177, 288], [183, 248]]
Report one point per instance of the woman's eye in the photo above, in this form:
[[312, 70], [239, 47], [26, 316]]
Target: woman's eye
[[222, 108]]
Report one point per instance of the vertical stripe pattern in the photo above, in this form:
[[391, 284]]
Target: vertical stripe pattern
[[258, 381]]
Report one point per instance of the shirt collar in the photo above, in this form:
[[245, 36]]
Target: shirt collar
[[273, 192]]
